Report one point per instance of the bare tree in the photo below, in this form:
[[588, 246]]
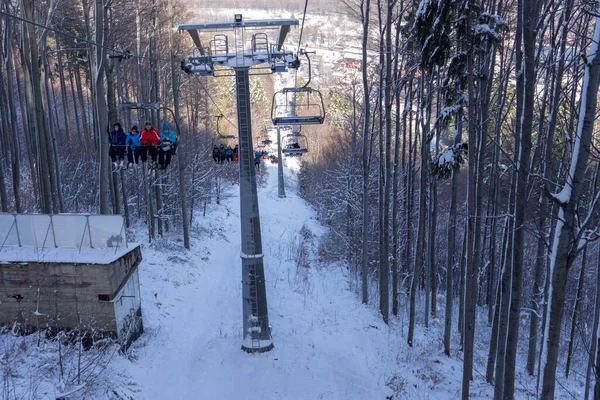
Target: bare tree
[[570, 234]]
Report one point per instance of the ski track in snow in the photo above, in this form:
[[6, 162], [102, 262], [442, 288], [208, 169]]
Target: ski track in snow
[[326, 343]]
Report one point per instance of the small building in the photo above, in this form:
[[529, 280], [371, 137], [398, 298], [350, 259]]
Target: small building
[[66, 271]]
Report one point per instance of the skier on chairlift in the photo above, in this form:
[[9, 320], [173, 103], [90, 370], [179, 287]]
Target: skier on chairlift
[[215, 153], [149, 140], [235, 153], [116, 138], [257, 158], [168, 140], [229, 154], [133, 147], [222, 153]]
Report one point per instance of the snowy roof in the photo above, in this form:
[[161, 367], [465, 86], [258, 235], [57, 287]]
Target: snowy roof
[[68, 231], [71, 238], [10, 254]]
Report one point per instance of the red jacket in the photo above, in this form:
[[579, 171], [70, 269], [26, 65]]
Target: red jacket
[[151, 136]]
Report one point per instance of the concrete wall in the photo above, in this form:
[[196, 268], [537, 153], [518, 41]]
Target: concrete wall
[[67, 295], [128, 311]]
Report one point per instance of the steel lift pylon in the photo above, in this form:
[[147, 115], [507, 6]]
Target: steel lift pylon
[[241, 57]]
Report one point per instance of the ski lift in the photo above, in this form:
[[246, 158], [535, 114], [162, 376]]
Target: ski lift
[[203, 65], [298, 105], [128, 105], [266, 140], [260, 144], [219, 135], [295, 145]]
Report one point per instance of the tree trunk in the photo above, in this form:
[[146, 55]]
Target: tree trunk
[[576, 311], [541, 253], [433, 225], [156, 182], [180, 147], [461, 288], [15, 160], [476, 145], [566, 242], [27, 131], [450, 253], [395, 227], [499, 324], [594, 335], [36, 103], [526, 84], [420, 248], [86, 133], [365, 13], [5, 132], [387, 181], [100, 104]]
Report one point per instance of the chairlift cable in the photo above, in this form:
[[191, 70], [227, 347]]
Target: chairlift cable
[[302, 27], [214, 102], [79, 39]]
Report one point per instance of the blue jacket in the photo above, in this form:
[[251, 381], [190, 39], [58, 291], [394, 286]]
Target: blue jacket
[[169, 135], [117, 138], [133, 140]]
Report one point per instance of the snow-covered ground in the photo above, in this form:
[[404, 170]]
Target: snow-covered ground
[[327, 344]]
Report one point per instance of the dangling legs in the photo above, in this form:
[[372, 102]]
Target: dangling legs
[[153, 155], [112, 152], [143, 150], [121, 155], [130, 151]]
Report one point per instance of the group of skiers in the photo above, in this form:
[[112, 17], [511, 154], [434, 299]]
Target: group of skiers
[[221, 153], [259, 155], [161, 146]]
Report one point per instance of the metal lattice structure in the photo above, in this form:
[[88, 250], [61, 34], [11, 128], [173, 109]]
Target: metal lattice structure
[[214, 56], [62, 231]]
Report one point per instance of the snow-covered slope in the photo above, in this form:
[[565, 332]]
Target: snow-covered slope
[[326, 345]]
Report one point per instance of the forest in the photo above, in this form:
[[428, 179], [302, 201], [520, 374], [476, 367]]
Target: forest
[[457, 173]]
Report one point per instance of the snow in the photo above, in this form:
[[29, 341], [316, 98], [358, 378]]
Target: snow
[[448, 111], [56, 255], [498, 20], [446, 157], [422, 9], [327, 344], [484, 29], [192, 316]]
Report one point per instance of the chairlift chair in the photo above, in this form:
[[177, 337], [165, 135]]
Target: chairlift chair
[[295, 145], [219, 46], [220, 136], [202, 65], [298, 105], [266, 140], [260, 144]]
